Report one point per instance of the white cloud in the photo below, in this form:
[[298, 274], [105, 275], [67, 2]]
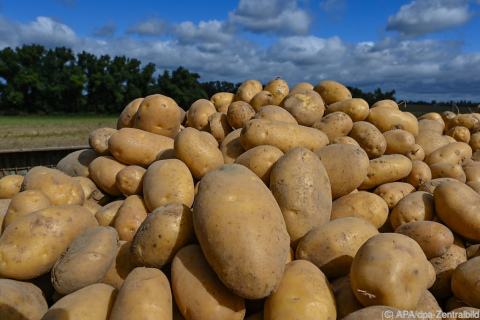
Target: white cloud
[[422, 17], [283, 17], [213, 31], [151, 27]]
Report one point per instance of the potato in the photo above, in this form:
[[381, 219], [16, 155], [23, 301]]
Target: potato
[[4, 203], [197, 152], [284, 136], [398, 141], [260, 160], [457, 205], [475, 185], [307, 202], [419, 174], [447, 116], [465, 280], [239, 112], [221, 98], [165, 230], [21, 300], [107, 214], [231, 147], [448, 170], [219, 127], [459, 133], [59, 187], [10, 185], [344, 140], [306, 107], [98, 140], [369, 138], [433, 116], [92, 192], [463, 313], [30, 245], [416, 153], [427, 307], [130, 216], [472, 171], [76, 163], [248, 90], [332, 246], [357, 109], [158, 114], [279, 89], [166, 154], [302, 85], [365, 205], [137, 147], [145, 294], [168, 181], [475, 141], [428, 124], [430, 141], [377, 312], [104, 170], [453, 303], [120, 267], [389, 269], [336, 124], [251, 262], [93, 207], [129, 180], [434, 238], [416, 206], [430, 185], [387, 168], [261, 99], [444, 267], [469, 121], [276, 113], [25, 202], [198, 113], [387, 103], [332, 91], [392, 192], [92, 302], [198, 291], [224, 108], [86, 259], [450, 139], [127, 117], [344, 297], [387, 119], [456, 152], [303, 283], [346, 166]]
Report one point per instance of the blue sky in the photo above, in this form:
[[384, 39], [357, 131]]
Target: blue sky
[[423, 49]]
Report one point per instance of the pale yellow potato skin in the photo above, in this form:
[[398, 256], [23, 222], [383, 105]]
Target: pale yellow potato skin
[[387, 119], [469, 121], [433, 116], [238, 113], [305, 284], [416, 206], [103, 171], [345, 299], [398, 141], [198, 291], [419, 174], [92, 302], [332, 91], [231, 147], [260, 160], [428, 305], [21, 300], [261, 99], [332, 246], [346, 165], [448, 170], [86, 259], [472, 171], [145, 294], [307, 202], [430, 141], [127, 116], [465, 281], [197, 151], [129, 180], [416, 153], [197, 115], [4, 203], [92, 191], [276, 113], [375, 312], [247, 247], [60, 188], [475, 141], [456, 152], [430, 185], [98, 140], [284, 136], [107, 214], [158, 114], [221, 98], [137, 147], [25, 202], [120, 267], [356, 108], [459, 133], [168, 181], [430, 124], [219, 127], [392, 192], [387, 168], [248, 90], [369, 138], [307, 108], [363, 205], [165, 231], [31, 245], [344, 140], [390, 269], [92, 206], [130, 216], [457, 206], [10, 185], [279, 89], [76, 163], [302, 85], [447, 116], [387, 103], [336, 124]]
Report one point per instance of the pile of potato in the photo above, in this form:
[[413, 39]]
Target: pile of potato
[[271, 203]]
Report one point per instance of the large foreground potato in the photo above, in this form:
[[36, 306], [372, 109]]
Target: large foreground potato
[[306, 202], [21, 300], [127, 117], [75, 164], [279, 89], [306, 107], [260, 160], [98, 140], [465, 281], [456, 152], [31, 245], [198, 113], [303, 293], [240, 228], [25, 202], [388, 119]]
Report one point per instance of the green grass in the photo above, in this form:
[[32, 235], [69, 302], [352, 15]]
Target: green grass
[[46, 120]]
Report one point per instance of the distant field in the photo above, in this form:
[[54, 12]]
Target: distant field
[[52, 131]]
